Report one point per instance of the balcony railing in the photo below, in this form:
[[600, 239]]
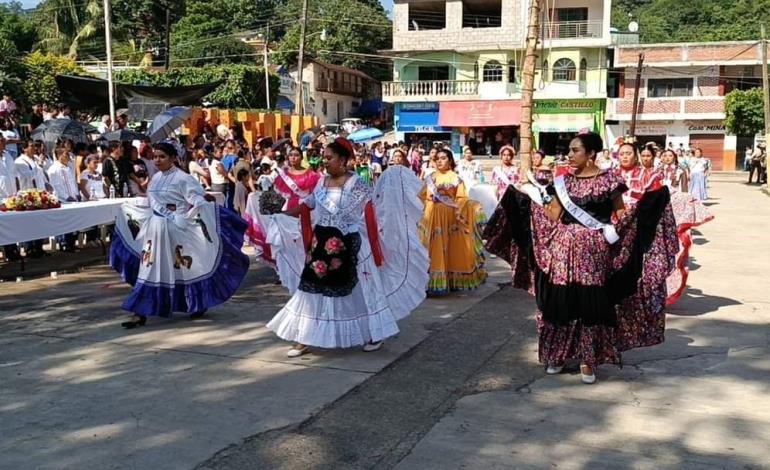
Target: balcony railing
[[430, 88], [572, 29]]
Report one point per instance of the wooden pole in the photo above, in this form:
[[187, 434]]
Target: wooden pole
[[108, 47], [528, 88], [267, 74], [300, 59], [637, 85], [765, 86]]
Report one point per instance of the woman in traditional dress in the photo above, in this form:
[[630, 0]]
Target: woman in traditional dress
[[689, 213], [699, 170], [469, 169], [564, 248], [638, 177], [179, 251], [543, 173], [506, 173], [355, 284], [294, 183], [449, 229]]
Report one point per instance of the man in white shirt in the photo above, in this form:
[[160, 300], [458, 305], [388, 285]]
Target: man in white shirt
[[66, 189], [62, 178], [28, 172], [105, 125], [7, 172]]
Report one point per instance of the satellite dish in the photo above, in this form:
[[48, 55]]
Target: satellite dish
[[633, 26]]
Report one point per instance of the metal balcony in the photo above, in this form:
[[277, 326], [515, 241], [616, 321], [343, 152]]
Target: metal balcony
[[573, 29]]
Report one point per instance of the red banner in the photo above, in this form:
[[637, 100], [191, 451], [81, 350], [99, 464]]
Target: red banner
[[479, 113]]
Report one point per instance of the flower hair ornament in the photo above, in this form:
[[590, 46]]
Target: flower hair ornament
[[345, 143], [507, 147]]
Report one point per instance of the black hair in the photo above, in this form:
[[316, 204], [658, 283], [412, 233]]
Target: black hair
[[341, 150], [449, 155], [242, 173], [592, 142], [92, 148], [166, 148], [80, 147], [629, 144]]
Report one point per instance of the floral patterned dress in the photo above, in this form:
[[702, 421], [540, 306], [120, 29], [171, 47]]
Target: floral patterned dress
[[581, 282]]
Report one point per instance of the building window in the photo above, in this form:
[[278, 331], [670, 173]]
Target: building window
[[475, 70], [564, 70], [433, 72], [583, 70], [669, 87], [427, 15], [482, 13], [324, 107], [493, 71], [511, 71]]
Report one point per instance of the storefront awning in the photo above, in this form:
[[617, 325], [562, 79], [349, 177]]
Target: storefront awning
[[283, 102], [480, 113], [563, 122], [418, 117]]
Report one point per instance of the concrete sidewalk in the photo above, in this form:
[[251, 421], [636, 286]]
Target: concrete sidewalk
[[78, 391], [700, 400]]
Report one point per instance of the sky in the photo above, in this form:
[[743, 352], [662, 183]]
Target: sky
[[387, 4]]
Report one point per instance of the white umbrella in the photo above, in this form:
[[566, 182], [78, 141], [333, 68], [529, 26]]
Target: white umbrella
[[167, 122]]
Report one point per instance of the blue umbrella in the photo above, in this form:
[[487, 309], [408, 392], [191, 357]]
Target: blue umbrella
[[167, 122], [369, 133]]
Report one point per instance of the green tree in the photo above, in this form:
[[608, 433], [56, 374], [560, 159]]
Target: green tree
[[745, 112], [40, 71], [17, 27], [354, 28]]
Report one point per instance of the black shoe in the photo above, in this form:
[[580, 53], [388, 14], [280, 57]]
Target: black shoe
[[198, 315], [136, 321]]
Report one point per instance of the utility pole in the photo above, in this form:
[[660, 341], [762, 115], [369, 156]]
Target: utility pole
[[637, 85], [108, 46], [528, 87], [765, 86], [264, 65], [300, 59], [167, 39]]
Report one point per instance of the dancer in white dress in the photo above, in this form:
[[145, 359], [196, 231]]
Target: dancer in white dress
[[179, 251], [358, 279]]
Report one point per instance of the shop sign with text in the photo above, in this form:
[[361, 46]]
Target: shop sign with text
[[569, 106]]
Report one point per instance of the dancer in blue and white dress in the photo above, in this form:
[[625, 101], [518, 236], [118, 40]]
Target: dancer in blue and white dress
[[700, 168], [365, 268], [179, 251]]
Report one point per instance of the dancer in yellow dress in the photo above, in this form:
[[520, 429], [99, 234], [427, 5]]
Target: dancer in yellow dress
[[449, 229]]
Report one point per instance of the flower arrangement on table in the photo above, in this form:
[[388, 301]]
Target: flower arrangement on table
[[30, 200]]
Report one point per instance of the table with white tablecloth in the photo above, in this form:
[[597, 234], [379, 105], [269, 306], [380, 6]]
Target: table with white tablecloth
[[17, 227]]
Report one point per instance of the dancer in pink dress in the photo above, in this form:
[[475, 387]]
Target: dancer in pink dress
[[689, 212], [506, 174]]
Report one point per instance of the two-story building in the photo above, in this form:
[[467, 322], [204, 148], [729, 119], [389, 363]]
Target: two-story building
[[682, 95], [457, 71], [333, 92]]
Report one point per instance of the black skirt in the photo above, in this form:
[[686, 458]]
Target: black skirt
[[332, 268]]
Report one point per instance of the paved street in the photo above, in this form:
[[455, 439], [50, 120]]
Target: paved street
[[459, 388]]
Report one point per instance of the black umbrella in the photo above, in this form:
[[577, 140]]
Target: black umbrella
[[280, 143], [123, 135], [54, 130]]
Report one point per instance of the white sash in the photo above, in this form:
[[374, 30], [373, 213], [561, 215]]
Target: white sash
[[436, 196], [502, 176], [292, 184], [582, 216], [330, 205]]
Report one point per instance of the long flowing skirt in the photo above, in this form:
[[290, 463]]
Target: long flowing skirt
[[256, 232], [699, 185], [689, 213], [593, 298], [454, 244], [187, 265]]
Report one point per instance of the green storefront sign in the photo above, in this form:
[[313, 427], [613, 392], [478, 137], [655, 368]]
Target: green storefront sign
[[569, 106]]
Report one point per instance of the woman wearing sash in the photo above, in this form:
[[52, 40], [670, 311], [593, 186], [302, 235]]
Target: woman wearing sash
[[689, 213], [506, 173], [700, 168], [449, 229], [294, 183], [179, 251], [354, 286], [577, 247]]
